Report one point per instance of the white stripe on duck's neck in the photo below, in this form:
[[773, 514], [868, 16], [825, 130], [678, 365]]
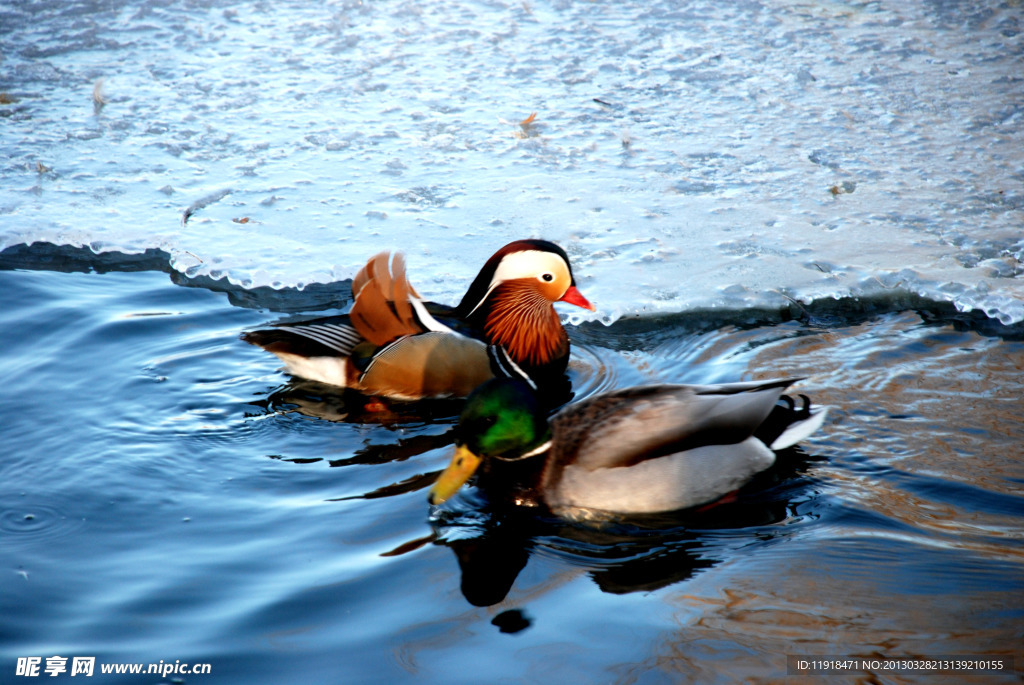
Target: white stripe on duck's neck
[[539, 449], [500, 357]]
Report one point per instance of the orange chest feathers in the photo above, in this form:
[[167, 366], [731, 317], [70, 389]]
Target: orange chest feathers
[[521, 319]]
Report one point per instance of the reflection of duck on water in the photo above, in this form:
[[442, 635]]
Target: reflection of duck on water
[[342, 405], [617, 562]]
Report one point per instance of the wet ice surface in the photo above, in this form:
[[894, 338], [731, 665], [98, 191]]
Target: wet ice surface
[[687, 155]]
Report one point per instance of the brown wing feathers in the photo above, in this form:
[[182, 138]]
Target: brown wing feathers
[[382, 312]]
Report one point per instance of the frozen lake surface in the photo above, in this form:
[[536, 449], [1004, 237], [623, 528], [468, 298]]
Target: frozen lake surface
[[688, 155]]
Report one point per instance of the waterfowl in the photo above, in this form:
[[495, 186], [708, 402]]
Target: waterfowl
[[393, 344], [639, 450]]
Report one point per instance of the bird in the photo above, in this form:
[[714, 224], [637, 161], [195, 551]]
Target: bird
[[394, 345], [646, 449]]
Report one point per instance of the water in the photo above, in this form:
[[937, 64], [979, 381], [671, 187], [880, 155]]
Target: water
[[824, 190], [168, 494]]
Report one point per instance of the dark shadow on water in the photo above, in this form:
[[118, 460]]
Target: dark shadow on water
[[70, 259], [633, 332], [317, 297], [341, 405], [337, 405]]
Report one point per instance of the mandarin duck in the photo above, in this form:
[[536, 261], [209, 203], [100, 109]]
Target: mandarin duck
[[639, 450], [391, 345]]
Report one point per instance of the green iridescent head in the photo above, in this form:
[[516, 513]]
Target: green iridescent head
[[502, 419]]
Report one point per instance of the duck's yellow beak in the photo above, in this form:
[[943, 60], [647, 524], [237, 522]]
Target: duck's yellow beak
[[464, 463]]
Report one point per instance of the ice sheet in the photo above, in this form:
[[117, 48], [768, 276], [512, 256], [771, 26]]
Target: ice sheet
[[686, 154]]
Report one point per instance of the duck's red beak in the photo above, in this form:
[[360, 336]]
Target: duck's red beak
[[574, 296]]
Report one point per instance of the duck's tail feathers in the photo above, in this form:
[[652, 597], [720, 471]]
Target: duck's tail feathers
[[386, 306], [381, 311], [789, 424]]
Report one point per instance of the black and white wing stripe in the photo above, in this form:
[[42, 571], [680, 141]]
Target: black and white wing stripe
[[338, 337]]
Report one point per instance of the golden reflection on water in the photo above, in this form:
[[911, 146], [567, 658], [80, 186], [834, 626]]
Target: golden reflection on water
[[926, 400], [739, 626], [926, 425]]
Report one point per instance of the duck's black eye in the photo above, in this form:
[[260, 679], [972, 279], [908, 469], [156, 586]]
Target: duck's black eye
[[548, 277], [474, 427]]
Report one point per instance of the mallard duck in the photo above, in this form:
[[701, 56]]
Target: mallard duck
[[639, 450], [391, 345]]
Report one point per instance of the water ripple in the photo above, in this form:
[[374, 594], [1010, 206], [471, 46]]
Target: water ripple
[[37, 522], [594, 370]]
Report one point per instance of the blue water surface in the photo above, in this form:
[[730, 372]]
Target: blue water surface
[[168, 494]]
